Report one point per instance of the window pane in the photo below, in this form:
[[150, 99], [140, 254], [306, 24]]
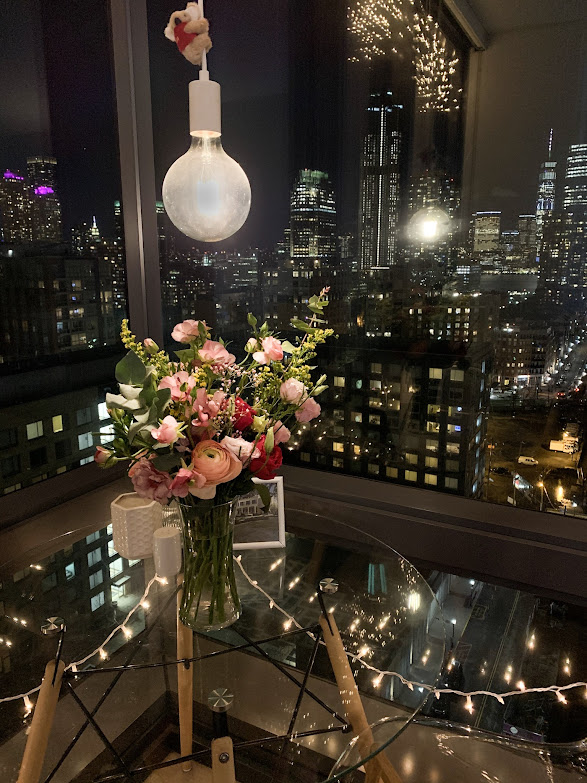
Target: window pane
[[62, 264], [458, 296]]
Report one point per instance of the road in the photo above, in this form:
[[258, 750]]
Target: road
[[521, 427]]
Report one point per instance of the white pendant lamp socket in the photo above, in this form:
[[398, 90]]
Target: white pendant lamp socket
[[206, 193]]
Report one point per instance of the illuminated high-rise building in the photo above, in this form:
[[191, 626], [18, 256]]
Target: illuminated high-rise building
[[527, 234], [486, 232], [15, 208], [380, 183], [42, 172], [44, 201], [575, 195], [546, 193], [312, 220]]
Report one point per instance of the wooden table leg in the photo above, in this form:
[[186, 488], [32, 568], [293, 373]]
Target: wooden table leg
[[352, 704], [38, 738], [185, 687], [222, 761]]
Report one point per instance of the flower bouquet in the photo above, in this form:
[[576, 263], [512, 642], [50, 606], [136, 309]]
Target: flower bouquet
[[198, 430]]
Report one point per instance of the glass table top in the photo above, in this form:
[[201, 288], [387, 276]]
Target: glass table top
[[388, 618]]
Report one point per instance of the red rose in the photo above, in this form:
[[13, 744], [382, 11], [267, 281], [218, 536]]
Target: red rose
[[265, 466], [243, 414]]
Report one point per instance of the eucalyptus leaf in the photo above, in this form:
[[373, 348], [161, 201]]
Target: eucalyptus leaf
[[130, 370], [119, 401], [162, 399], [287, 346], [130, 392]]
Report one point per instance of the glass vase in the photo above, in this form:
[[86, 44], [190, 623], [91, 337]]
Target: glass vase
[[210, 599]]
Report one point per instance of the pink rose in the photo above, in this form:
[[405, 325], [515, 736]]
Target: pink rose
[[187, 481], [215, 462], [187, 331], [292, 391], [271, 351], [308, 411], [150, 482], [180, 384], [281, 434], [240, 447], [102, 455], [216, 354], [206, 407], [167, 432]]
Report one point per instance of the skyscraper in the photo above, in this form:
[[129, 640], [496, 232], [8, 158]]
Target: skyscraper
[[527, 234], [546, 192], [312, 220], [486, 231], [379, 195], [15, 208], [44, 202], [42, 172], [576, 178]]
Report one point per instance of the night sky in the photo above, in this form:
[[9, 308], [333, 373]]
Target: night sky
[[57, 96]]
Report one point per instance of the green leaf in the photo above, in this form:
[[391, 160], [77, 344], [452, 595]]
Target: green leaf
[[269, 441], [185, 355], [287, 346], [202, 331], [119, 401], [167, 462], [302, 326], [251, 320], [130, 370], [142, 421], [264, 494], [162, 400]]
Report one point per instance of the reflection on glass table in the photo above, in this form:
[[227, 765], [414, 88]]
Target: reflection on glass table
[[287, 720]]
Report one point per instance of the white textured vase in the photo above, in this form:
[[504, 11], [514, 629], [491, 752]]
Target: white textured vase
[[134, 520]]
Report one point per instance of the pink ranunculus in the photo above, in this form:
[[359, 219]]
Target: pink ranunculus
[[215, 462], [186, 481], [215, 353], [206, 407], [180, 384], [102, 455], [187, 331], [281, 434], [240, 447], [308, 411], [150, 482], [292, 391], [167, 432]]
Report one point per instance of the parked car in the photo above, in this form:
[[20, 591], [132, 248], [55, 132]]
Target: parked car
[[501, 471], [527, 461]]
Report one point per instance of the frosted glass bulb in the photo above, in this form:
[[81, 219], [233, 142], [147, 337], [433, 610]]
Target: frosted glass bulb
[[205, 192]]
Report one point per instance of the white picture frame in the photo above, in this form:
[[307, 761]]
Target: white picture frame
[[250, 508]]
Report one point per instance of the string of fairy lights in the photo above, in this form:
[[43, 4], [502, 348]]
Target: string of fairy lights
[[380, 26], [289, 621]]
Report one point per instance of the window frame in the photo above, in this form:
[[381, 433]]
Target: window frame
[[137, 169]]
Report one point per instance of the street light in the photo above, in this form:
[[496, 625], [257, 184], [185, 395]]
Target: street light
[[541, 485], [453, 622]]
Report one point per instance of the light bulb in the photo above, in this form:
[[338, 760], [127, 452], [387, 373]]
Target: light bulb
[[428, 225], [205, 192]]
